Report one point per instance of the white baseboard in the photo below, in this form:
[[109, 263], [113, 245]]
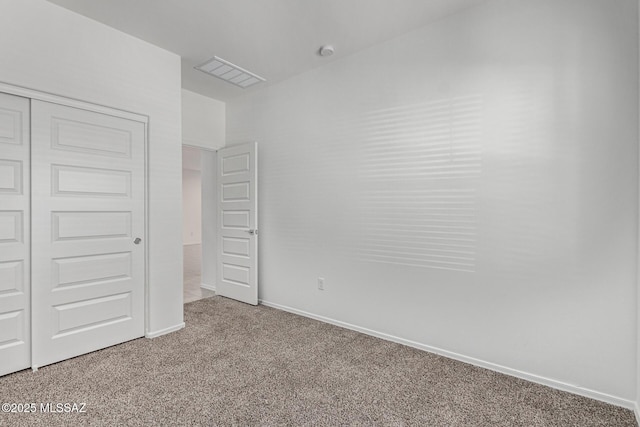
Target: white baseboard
[[636, 410], [208, 287], [614, 400], [165, 331]]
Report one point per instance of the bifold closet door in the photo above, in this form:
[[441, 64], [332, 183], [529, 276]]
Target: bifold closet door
[[15, 316], [88, 225]]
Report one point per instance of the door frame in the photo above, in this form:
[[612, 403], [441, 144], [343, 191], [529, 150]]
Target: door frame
[[53, 98]]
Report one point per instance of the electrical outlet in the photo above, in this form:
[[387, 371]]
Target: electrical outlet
[[321, 283]]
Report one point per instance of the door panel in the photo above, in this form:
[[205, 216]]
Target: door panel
[[237, 223], [88, 207], [15, 315], [90, 182]]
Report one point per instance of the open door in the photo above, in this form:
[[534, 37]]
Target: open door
[[237, 223]]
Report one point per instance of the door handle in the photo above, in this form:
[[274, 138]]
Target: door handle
[[137, 241], [252, 231]]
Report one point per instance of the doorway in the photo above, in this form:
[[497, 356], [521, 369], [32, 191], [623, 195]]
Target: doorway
[[220, 253], [193, 289]]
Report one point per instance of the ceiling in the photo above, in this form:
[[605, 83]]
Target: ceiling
[[275, 39]]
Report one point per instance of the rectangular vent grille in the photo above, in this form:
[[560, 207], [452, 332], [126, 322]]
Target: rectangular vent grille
[[229, 72]]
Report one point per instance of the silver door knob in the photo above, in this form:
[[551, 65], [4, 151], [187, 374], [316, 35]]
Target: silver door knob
[[252, 231], [137, 241]]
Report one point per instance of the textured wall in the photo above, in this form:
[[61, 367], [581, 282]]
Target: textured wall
[[471, 187], [203, 121]]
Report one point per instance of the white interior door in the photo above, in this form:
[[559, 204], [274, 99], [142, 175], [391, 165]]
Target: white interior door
[[237, 223], [15, 316], [88, 212]]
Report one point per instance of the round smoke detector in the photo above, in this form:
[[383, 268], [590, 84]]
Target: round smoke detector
[[326, 50]]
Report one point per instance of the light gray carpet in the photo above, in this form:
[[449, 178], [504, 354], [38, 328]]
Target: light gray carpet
[[236, 364]]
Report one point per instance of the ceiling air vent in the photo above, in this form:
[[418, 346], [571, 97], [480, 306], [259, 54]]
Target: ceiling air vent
[[229, 72]]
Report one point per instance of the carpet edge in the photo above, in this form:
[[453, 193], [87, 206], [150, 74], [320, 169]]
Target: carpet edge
[[558, 385]]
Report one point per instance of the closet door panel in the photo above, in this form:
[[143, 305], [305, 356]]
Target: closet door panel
[[88, 211], [15, 315]]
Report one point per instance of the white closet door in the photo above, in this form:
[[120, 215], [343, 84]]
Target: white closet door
[[15, 316], [88, 212], [238, 222]]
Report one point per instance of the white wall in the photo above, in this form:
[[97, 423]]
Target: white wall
[[203, 121], [191, 207], [209, 219], [51, 49], [471, 187]]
